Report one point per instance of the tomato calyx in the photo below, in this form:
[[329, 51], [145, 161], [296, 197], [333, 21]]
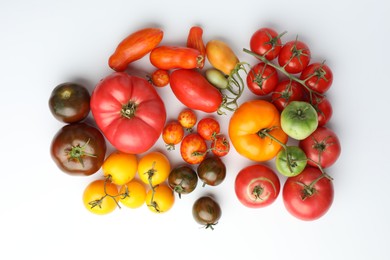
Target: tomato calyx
[[273, 41], [78, 152], [309, 190], [257, 192], [210, 225], [128, 110]]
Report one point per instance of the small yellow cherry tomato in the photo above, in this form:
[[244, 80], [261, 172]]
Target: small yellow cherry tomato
[[101, 197], [154, 168], [120, 167], [133, 194], [161, 200]]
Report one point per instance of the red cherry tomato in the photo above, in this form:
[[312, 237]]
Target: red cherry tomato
[[324, 109], [262, 79], [294, 56], [208, 128], [266, 41], [285, 92], [220, 146], [317, 77], [193, 148], [160, 78]]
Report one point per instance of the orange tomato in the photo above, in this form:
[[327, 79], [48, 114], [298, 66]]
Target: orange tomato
[[161, 200], [120, 167], [187, 118], [100, 197], [133, 194], [195, 41], [174, 57], [172, 134], [154, 168], [245, 130], [221, 56]]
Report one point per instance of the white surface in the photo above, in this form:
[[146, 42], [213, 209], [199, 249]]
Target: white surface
[[44, 43]]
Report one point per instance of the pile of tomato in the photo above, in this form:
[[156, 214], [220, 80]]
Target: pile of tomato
[[289, 104]]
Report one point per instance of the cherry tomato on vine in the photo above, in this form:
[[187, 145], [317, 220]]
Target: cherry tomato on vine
[[187, 118], [220, 146], [206, 211], [193, 148], [161, 199], [208, 128], [212, 171], [324, 109], [133, 194], [318, 77], [183, 180], [266, 41], [172, 134], [262, 79], [100, 197], [160, 78], [294, 56], [154, 168], [120, 167], [285, 92]]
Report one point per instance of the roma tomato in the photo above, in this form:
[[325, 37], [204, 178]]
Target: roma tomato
[[172, 134], [220, 146], [160, 78], [294, 56], [250, 128], [101, 197], [195, 41], [193, 90], [133, 194], [212, 171], [318, 77], [208, 128], [154, 168], [120, 167], [309, 195], [262, 79], [174, 57], [160, 199], [78, 149], [217, 78], [321, 147], [266, 42], [324, 109], [183, 180], [69, 102], [221, 56], [134, 47], [187, 118], [193, 148], [129, 112], [285, 92], [257, 186], [206, 211]]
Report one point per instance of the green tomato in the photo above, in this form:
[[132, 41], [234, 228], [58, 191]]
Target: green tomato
[[299, 119], [291, 162], [216, 78]]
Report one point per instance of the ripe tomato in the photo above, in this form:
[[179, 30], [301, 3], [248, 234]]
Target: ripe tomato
[[322, 147], [187, 118], [183, 180], [324, 109], [193, 148], [294, 56], [175, 57], [101, 197], [133, 194], [285, 92], [120, 167], [266, 42], [220, 146], [221, 56], [69, 102], [262, 79], [78, 149], [206, 211], [212, 171], [193, 90], [172, 134], [160, 78], [154, 168], [318, 77], [161, 199], [257, 186], [309, 195], [129, 111], [248, 126], [208, 128], [195, 41]]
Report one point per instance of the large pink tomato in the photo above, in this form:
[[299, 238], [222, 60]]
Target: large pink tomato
[[129, 112]]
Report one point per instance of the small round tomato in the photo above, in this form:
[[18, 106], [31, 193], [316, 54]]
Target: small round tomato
[[212, 171], [321, 147], [262, 79], [266, 42], [160, 199], [172, 134], [69, 102], [220, 146], [294, 56], [206, 211], [78, 149], [133, 194], [183, 180], [101, 197], [318, 77], [208, 128], [257, 186], [160, 78], [187, 118], [120, 167], [154, 168], [285, 92], [193, 148], [291, 161], [324, 109], [309, 195]]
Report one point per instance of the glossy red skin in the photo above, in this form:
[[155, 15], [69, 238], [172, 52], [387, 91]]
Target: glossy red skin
[[193, 148], [80, 134], [322, 146], [195, 41], [262, 79], [260, 43], [312, 207], [193, 90], [285, 92], [295, 65], [174, 57], [207, 128], [130, 135], [312, 80], [257, 175], [324, 109], [220, 146]]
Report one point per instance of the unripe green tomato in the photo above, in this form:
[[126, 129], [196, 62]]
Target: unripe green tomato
[[291, 162], [216, 78]]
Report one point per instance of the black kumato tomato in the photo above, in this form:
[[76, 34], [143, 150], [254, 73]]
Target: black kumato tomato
[[206, 211]]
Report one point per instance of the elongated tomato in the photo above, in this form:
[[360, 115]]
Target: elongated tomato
[[194, 91], [134, 47], [175, 57], [195, 41], [221, 56]]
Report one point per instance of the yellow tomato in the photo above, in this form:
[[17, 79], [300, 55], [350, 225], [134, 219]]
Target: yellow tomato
[[101, 197], [120, 167], [133, 194], [154, 168], [161, 200], [221, 56]]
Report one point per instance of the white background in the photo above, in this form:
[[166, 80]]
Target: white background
[[45, 43]]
